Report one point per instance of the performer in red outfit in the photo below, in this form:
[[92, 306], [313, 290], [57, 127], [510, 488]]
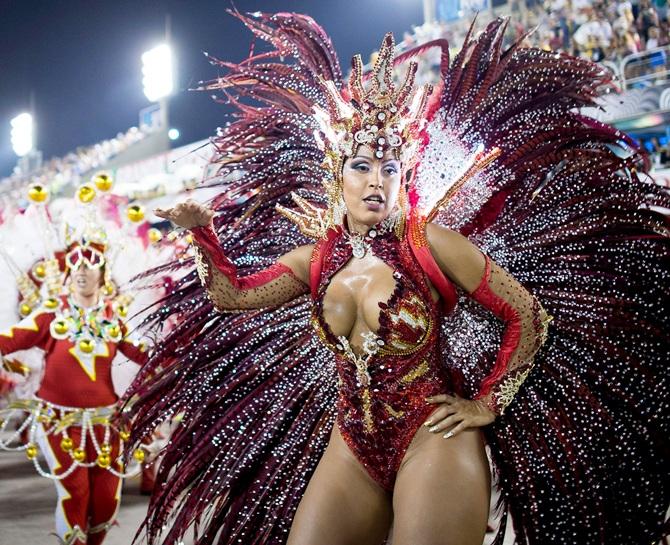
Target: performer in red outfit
[[68, 421], [426, 349]]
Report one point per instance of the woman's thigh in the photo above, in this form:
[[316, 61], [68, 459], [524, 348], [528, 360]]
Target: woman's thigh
[[442, 491], [342, 505]]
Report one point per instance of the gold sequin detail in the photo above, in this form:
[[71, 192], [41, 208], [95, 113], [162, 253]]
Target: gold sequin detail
[[415, 373], [392, 412], [505, 391]]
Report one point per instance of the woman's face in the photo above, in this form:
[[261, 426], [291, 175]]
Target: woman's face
[[86, 281], [370, 185]]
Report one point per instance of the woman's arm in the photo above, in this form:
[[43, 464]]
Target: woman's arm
[[287, 279], [525, 320]]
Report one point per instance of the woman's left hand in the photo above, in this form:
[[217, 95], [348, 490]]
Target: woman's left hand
[[466, 413]]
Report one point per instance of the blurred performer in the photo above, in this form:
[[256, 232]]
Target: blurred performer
[[345, 207], [75, 315]]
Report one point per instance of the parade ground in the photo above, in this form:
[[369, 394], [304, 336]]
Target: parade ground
[[27, 503]]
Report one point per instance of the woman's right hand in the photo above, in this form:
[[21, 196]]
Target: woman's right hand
[[188, 214]]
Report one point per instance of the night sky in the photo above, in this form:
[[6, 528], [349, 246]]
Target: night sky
[[81, 59]]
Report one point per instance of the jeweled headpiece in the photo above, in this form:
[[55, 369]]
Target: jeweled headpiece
[[382, 117], [85, 252]]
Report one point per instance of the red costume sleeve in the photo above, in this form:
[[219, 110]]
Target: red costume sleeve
[[134, 351], [30, 332], [526, 324], [230, 293]]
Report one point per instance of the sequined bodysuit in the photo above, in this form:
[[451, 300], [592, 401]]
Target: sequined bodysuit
[[383, 386], [384, 383]]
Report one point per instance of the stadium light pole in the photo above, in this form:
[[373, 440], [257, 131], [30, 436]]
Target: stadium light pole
[[429, 11], [22, 134], [23, 142], [158, 78]]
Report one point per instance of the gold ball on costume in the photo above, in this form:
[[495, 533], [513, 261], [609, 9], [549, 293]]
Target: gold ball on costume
[[155, 235], [135, 213], [31, 451], [124, 435], [114, 330], [104, 460], [86, 346], [122, 311], [24, 309], [39, 271], [103, 181], [108, 289], [38, 193], [61, 327], [189, 238], [86, 193], [105, 448], [66, 444], [51, 303], [79, 455], [139, 455]]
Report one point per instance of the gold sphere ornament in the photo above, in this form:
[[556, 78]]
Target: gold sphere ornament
[[114, 331], [79, 455], [122, 310], [66, 444], [108, 289], [86, 346], [124, 435], [39, 271], [86, 193], [31, 451], [104, 460], [51, 303], [105, 448], [61, 327], [139, 455], [135, 213], [155, 235], [103, 181], [38, 193], [24, 309]]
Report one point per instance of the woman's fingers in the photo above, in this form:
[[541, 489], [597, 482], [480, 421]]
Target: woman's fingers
[[441, 398], [161, 213], [446, 422], [187, 214], [438, 414], [458, 429]]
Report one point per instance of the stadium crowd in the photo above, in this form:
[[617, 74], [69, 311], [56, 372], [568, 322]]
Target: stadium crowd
[[601, 30]]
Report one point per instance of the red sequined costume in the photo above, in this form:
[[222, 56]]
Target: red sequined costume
[[563, 205], [67, 420], [72, 410]]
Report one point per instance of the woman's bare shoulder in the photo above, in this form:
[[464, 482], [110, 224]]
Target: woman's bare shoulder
[[298, 260], [457, 257]]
